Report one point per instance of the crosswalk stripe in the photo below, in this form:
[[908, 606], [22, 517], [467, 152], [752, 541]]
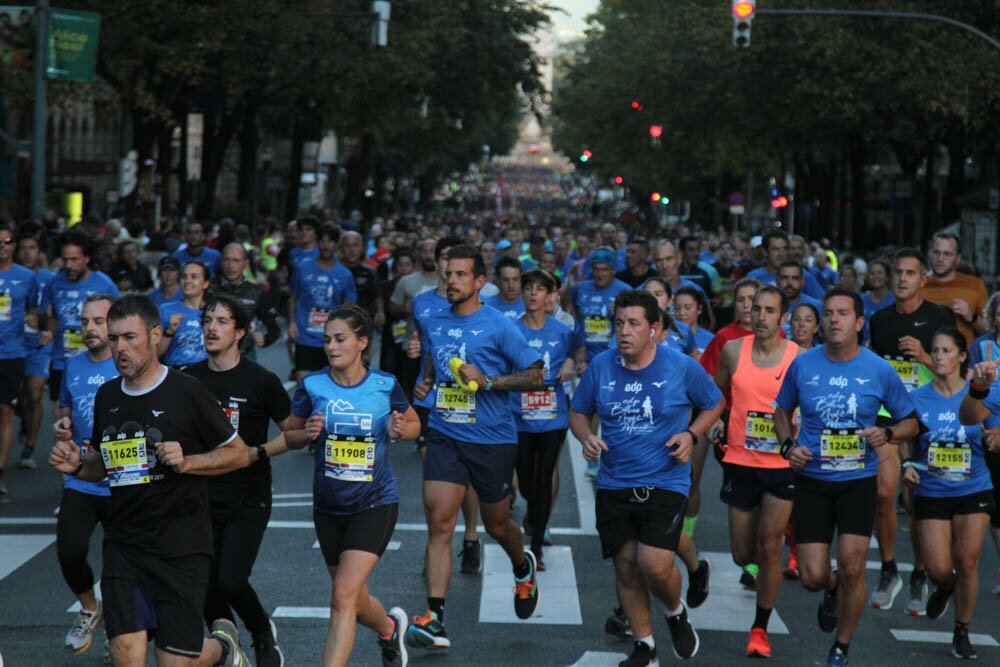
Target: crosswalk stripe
[[28, 521], [302, 612], [599, 659], [415, 527], [393, 545], [729, 607], [938, 637], [558, 601], [19, 549]]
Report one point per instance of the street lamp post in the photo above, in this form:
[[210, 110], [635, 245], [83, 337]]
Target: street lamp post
[[40, 111]]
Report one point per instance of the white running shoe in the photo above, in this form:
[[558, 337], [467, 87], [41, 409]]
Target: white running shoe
[[80, 636]]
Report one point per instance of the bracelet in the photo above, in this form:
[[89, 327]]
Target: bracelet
[[694, 438], [977, 392], [78, 469]]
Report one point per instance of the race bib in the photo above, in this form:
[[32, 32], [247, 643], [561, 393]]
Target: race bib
[[73, 341], [126, 461], [399, 331], [908, 372], [233, 415], [317, 320], [950, 461], [350, 458], [760, 435], [5, 307], [842, 449], [539, 405], [454, 404], [597, 329]]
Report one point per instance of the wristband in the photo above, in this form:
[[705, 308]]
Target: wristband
[[888, 434], [261, 453], [694, 438], [76, 472], [490, 379], [787, 446], [977, 392]]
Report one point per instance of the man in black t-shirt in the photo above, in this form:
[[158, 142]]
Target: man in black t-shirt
[[902, 334], [158, 432], [240, 501], [233, 282], [366, 280]]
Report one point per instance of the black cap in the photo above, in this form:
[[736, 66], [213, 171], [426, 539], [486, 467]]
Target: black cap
[[169, 262]]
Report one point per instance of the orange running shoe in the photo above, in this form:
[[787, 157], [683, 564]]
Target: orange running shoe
[[792, 568], [759, 645]]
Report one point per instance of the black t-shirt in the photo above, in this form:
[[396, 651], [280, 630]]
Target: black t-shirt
[[140, 277], [698, 276], [887, 326], [153, 508], [251, 397], [634, 281], [367, 284]]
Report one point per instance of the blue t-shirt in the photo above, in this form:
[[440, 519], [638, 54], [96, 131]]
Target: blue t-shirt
[[640, 411], [66, 298], [80, 381], [983, 348], [187, 346], [352, 472], [511, 310], [702, 337], [18, 294], [680, 337], [826, 278], [803, 298], [157, 297], [810, 286], [836, 399], [546, 410], [319, 291], [42, 278], [208, 256], [953, 453], [871, 308], [595, 311], [493, 344], [426, 304], [299, 255]]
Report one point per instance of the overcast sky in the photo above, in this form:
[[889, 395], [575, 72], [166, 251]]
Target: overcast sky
[[571, 23]]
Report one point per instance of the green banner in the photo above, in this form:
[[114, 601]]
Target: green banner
[[72, 43]]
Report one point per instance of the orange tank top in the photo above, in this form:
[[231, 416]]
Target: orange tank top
[[751, 438]]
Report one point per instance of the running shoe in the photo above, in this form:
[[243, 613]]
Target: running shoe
[[826, 614], [917, 604], [889, 585], [961, 647], [837, 658], [393, 649], [526, 590], [748, 578], [642, 656], [266, 649], [80, 636], [759, 645], [937, 603], [28, 458], [698, 584], [427, 632], [617, 625], [592, 469], [472, 557], [792, 567], [225, 631], [685, 639]]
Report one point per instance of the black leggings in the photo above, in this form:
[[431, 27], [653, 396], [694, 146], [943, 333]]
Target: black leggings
[[239, 518], [79, 514], [537, 454]]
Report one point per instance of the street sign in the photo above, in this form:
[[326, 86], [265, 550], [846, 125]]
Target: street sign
[[737, 198]]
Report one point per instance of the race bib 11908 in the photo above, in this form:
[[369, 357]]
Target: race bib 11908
[[350, 458]]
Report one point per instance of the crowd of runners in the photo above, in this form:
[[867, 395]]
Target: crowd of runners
[[830, 388]]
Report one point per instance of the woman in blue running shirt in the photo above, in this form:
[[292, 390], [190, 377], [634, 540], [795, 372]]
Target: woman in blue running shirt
[[954, 495], [183, 341], [354, 413], [677, 334], [691, 308]]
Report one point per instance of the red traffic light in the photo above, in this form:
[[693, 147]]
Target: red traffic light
[[619, 180], [655, 131], [588, 154], [656, 196], [779, 202], [637, 105], [743, 9]]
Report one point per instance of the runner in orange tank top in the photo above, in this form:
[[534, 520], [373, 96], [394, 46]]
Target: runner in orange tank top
[[757, 484]]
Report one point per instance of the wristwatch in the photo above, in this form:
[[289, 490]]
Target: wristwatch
[[788, 445], [261, 453], [490, 379], [888, 434]]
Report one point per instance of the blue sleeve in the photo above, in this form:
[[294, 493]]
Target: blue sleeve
[[579, 338], [975, 355], [584, 397], [690, 347], [46, 299], [701, 389], [992, 421], [164, 318], [397, 399], [293, 286], [301, 403], [65, 398], [351, 293], [788, 395], [812, 286], [992, 401], [895, 397], [111, 288], [514, 347]]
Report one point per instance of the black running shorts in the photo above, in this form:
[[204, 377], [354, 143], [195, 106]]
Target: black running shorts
[[368, 530], [11, 379], [488, 468], [654, 517], [822, 507], [926, 507], [744, 486]]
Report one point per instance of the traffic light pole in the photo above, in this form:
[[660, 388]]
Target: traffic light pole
[[41, 111], [864, 13]]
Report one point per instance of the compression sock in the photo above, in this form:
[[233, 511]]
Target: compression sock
[[918, 576], [762, 617], [689, 523], [522, 571], [437, 606]]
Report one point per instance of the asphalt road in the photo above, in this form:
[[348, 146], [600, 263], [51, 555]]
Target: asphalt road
[[577, 592]]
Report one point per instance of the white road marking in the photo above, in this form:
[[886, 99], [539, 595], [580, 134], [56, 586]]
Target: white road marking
[[599, 659], [877, 565], [584, 487], [302, 612], [286, 496], [19, 549], [28, 521], [393, 545], [75, 607], [937, 637], [415, 527], [729, 607], [558, 602]]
